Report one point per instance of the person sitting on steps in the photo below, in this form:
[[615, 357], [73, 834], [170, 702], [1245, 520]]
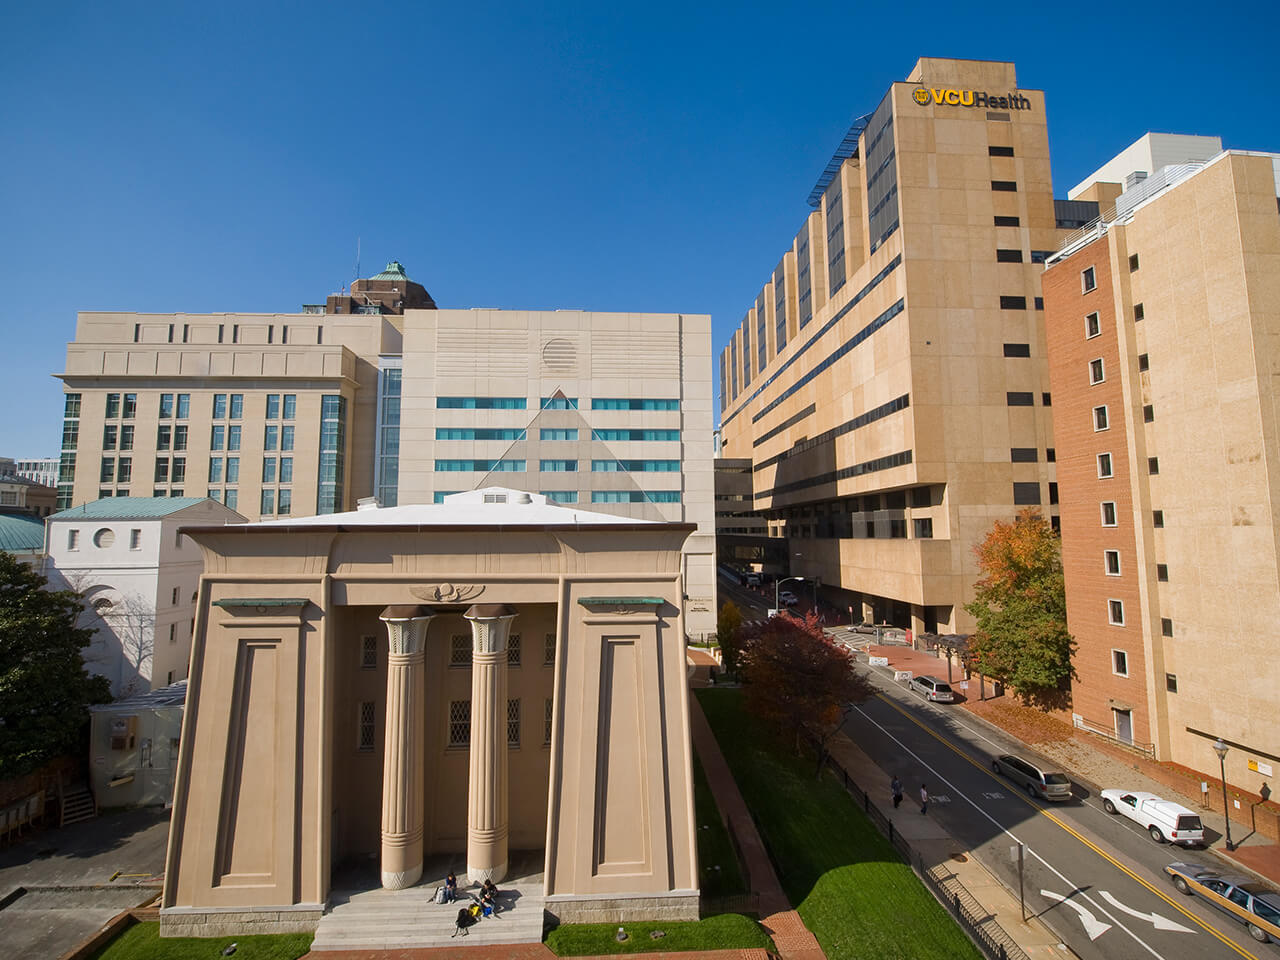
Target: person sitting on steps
[[450, 888]]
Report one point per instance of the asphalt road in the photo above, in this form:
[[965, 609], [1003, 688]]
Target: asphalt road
[[1097, 880]]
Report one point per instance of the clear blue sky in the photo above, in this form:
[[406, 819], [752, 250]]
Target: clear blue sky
[[610, 156]]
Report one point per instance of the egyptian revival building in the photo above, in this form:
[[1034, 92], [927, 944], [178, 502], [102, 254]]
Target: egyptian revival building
[[491, 674]]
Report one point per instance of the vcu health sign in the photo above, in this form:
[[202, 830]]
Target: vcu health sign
[[949, 97]]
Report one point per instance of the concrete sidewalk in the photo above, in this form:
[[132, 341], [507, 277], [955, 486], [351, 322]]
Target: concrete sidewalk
[[938, 849]]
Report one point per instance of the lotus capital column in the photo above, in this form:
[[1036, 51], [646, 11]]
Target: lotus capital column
[[402, 765], [487, 824]]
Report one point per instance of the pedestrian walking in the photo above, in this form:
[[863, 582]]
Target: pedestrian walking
[[924, 798], [896, 787]]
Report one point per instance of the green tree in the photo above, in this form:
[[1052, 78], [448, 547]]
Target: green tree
[[44, 688], [1021, 609], [729, 635], [801, 683]]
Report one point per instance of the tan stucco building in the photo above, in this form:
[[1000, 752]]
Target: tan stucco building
[[490, 674], [378, 393], [889, 380], [1163, 323]]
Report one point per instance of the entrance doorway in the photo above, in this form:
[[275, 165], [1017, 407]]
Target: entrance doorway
[[1124, 725]]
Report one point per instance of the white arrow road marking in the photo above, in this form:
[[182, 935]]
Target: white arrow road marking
[[1159, 922], [1092, 925]]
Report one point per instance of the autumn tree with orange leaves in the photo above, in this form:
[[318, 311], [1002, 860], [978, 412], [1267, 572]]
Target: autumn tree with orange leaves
[[1021, 610], [799, 682]]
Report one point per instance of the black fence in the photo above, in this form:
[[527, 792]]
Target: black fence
[[974, 919]]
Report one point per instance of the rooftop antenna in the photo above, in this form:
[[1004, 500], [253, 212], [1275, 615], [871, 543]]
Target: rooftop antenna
[[357, 275]]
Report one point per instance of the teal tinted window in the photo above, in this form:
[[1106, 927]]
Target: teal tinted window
[[470, 433], [558, 466], [607, 435], [633, 403], [571, 434], [481, 403], [480, 466], [561, 496], [559, 403], [635, 496], [439, 495], [635, 466]]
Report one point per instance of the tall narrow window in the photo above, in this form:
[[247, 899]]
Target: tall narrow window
[[366, 719], [513, 722], [1088, 280], [1115, 612], [459, 723]]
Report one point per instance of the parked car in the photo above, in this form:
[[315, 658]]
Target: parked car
[[788, 599], [1037, 782], [1163, 819], [1254, 905], [753, 580], [931, 688]]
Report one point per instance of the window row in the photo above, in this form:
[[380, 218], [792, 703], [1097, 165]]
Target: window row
[[224, 436], [1109, 515], [556, 403], [105, 538]]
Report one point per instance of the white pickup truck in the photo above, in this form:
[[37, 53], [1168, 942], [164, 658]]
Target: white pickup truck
[[1163, 819]]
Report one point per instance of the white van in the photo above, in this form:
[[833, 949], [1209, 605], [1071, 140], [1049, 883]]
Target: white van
[[1163, 819]]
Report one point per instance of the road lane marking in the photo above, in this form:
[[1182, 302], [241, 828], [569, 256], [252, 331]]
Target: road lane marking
[[1157, 921], [1031, 803], [1092, 925], [999, 826]]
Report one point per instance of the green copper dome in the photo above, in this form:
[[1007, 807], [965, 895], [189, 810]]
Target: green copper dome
[[394, 271]]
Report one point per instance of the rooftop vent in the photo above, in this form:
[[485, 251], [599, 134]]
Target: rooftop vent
[[496, 497], [368, 503], [524, 498]]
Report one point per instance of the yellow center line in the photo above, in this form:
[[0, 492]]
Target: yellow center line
[[1088, 843]]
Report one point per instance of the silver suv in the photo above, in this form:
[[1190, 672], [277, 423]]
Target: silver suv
[[931, 688], [1037, 782]]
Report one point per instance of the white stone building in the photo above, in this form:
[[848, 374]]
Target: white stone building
[[138, 576]]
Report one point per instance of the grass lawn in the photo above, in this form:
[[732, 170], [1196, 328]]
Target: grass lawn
[[728, 931], [714, 847], [142, 942], [852, 889]]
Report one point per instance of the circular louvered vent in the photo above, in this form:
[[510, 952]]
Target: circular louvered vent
[[559, 355]]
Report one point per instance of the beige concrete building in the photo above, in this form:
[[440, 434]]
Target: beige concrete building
[[378, 393], [492, 674], [1163, 325], [889, 381]]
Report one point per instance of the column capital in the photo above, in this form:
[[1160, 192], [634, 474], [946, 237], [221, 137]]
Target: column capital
[[407, 627], [490, 625]]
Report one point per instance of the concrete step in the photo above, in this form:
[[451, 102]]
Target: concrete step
[[403, 919]]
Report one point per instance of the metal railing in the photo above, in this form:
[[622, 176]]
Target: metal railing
[[976, 921], [1148, 750]]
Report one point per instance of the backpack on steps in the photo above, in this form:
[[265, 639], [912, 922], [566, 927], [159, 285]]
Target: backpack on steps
[[438, 897]]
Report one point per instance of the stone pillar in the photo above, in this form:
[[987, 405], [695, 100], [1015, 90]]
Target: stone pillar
[[487, 822], [402, 764]]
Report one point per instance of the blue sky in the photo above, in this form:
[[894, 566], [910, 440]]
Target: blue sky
[[608, 156]]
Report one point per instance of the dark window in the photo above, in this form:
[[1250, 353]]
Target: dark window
[[1008, 256], [1013, 303], [1157, 518], [1008, 222], [1046, 399], [1004, 186], [1153, 464], [1039, 303], [1166, 627], [1023, 455], [1025, 494], [921, 497], [1162, 572], [1138, 312], [1148, 413], [1133, 262], [1018, 398], [1088, 280], [1000, 151], [1108, 513], [1053, 493], [1051, 454], [1171, 682], [923, 528], [1017, 349], [1040, 256], [1144, 362], [1055, 523]]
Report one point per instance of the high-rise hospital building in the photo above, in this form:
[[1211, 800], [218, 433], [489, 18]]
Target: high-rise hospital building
[[889, 381], [1162, 320], [378, 393]]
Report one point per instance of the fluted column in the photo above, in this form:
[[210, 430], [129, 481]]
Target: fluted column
[[402, 765], [487, 786]]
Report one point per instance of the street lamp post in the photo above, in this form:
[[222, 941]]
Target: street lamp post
[[1220, 749], [777, 588]]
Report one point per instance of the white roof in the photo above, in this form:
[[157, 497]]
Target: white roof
[[488, 506]]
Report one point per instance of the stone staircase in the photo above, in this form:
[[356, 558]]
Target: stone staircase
[[77, 805], [377, 919]]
